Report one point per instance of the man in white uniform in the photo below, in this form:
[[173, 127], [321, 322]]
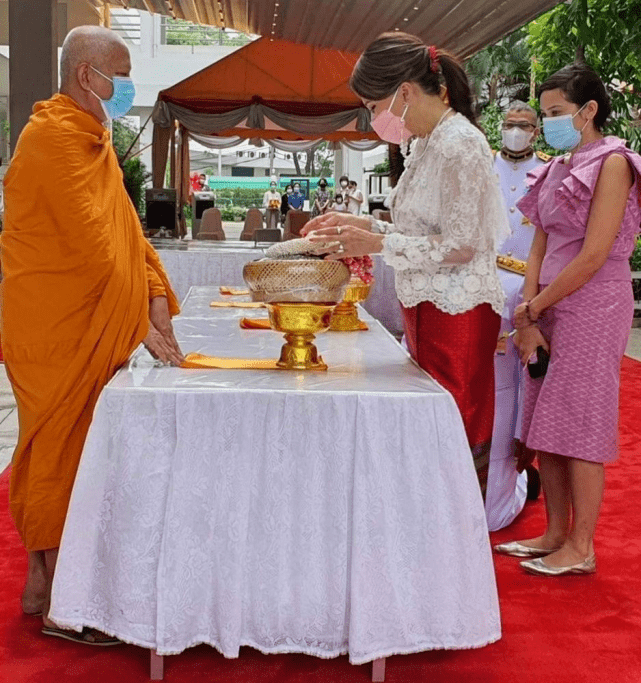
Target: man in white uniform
[[507, 488]]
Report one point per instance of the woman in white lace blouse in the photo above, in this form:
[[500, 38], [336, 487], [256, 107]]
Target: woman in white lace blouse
[[448, 217]]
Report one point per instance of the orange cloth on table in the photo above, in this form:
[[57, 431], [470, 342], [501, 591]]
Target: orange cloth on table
[[255, 324], [78, 274], [198, 361]]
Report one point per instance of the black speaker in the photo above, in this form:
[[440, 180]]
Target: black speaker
[[161, 210]]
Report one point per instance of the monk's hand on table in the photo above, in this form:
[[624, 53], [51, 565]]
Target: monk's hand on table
[[160, 348], [333, 219], [345, 241], [527, 339], [161, 320]]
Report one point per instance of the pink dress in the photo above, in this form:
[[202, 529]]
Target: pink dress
[[573, 410]]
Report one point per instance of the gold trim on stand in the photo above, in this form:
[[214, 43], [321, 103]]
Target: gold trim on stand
[[514, 265]]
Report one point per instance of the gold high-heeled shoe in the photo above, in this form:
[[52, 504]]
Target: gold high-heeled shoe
[[538, 567], [516, 549]]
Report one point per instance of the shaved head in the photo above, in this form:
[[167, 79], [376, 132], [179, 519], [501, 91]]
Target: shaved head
[[91, 57], [94, 45]]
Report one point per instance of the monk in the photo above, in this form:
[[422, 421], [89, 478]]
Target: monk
[[82, 289]]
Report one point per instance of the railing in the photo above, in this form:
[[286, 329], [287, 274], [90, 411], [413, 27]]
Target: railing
[[179, 32]]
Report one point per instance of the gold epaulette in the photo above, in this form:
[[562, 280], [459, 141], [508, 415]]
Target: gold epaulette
[[514, 265], [543, 156]]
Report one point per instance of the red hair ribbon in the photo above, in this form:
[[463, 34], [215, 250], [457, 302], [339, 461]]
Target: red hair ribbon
[[434, 63]]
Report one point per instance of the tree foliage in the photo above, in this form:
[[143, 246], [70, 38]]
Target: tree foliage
[[607, 35], [135, 175], [501, 71]]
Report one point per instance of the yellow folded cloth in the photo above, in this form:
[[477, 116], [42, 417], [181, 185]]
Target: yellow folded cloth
[[233, 291], [237, 304], [255, 324], [196, 360], [263, 324]]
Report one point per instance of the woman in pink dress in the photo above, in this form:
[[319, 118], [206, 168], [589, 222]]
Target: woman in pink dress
[[578, 304]]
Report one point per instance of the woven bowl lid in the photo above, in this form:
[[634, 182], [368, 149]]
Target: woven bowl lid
[[300, 280]]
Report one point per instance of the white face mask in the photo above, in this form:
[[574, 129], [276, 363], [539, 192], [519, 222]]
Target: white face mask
[[517, 140]]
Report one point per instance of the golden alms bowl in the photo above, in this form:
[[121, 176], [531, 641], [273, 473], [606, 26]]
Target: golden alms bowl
[[300, 295], [345, 317]]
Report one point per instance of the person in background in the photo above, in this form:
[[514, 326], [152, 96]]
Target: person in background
[[448, 220], [322, 199], [339, 204], [202, 183], [507, 488], [343, 184], [82, 289], [284, 203], [296, 200], [272, 205], [354, 198], [578, 306]]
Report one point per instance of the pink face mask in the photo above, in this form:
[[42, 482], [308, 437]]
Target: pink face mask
[[390, 127]]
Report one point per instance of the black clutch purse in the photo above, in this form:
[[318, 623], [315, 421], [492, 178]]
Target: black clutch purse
[[539, 368]]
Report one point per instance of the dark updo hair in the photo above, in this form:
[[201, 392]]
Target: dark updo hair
[[580, 83], [396, 57]]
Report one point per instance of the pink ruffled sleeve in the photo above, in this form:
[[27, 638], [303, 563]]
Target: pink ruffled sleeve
[[529, 204], [574, 194]]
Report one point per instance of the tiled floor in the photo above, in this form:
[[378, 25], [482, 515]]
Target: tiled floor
[[9, 414]]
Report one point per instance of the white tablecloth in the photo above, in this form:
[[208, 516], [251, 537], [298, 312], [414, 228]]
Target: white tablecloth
[[221, 263], [314, 512]]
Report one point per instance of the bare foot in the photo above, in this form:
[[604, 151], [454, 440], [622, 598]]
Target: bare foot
[[543, 543], [35, 591], [566, 556]]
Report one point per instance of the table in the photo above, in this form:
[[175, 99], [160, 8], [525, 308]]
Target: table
[[322, 512], [221, 263]]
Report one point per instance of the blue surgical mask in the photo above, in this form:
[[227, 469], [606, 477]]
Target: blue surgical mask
[[122, 99], [560, 133]]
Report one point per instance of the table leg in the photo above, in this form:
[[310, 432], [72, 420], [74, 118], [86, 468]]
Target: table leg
[[156, 666], [378, 670]]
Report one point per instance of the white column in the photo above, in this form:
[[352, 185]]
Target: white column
[[354, 166], [147, 34], [339, 163]]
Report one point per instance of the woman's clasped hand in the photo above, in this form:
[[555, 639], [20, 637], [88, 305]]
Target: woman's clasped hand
[[346, 235]]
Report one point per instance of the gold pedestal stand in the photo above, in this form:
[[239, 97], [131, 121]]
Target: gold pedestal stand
[[345, 317], [300, 322]]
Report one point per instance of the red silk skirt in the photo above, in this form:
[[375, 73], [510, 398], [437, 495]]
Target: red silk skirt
[[458, 352]]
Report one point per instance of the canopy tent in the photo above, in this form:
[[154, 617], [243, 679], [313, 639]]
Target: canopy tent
[[461, 26], [291, 95]]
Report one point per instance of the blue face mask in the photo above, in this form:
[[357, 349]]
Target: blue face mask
[[560, 133], [122, 99]]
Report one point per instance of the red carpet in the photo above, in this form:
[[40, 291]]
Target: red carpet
[[583, 629]]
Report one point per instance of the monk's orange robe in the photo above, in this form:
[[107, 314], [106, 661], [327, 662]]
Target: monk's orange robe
[[77, 278]]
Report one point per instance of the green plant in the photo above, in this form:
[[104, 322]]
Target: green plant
[[135, 178], [134, 172], [383, 167], [606, 36], [490, 121], [635, 259]]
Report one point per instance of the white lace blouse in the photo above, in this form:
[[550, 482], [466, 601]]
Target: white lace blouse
[[448, 218]]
